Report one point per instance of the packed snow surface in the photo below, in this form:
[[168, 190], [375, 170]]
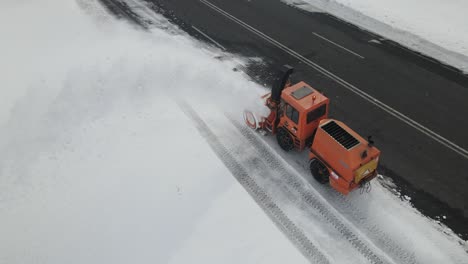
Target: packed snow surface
[[100, 165], [436, 28]]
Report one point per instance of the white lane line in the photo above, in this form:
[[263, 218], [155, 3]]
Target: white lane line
[[338, 45], [209, 38], [447, 143]]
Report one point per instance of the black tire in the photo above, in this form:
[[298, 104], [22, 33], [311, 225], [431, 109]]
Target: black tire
[[319, 171], [285, 140]]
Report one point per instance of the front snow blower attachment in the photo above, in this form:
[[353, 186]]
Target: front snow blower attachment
[[298, 116], [250, 119]]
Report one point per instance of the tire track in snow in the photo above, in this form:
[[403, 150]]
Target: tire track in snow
[[281, 220], [370, 252], [380, 238]]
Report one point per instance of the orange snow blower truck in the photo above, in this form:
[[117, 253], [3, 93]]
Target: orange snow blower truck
[[299, 119]]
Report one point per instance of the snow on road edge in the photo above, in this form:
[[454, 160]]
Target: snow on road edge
[[417, 26]]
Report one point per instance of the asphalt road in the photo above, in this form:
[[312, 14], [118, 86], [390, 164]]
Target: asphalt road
[[414, 107]]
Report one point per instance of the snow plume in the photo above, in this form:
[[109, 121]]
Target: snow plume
[[63, 68], [50, 45], [97, 163]]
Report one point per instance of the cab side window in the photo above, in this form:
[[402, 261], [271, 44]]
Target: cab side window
[[292, 113], [317, 113]]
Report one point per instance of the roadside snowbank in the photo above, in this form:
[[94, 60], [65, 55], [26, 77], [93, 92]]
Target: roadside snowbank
[[98, 164], [435, 28]]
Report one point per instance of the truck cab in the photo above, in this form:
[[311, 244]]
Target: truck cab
[[301, 110]]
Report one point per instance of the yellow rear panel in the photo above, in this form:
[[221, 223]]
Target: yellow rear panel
[[365, 170]]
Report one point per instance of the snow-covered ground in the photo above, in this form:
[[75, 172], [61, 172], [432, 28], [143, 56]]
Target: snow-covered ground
[[436, 28], [99, 164]]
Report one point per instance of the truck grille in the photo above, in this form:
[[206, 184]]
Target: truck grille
[[340, 135]]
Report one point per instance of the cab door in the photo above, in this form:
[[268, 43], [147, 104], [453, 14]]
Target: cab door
[[290, 119]]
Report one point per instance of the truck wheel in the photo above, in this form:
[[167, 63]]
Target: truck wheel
[[319, 171], [284, 139]]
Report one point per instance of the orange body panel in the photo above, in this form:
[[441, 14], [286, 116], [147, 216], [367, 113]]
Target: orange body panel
[[344, 164], [306, 103], [302, 131]]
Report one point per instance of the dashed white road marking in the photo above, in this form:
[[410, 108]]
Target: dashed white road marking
[[426, 131], [209, 38], [338, 45]]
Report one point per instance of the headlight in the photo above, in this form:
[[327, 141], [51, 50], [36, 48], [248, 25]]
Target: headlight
[[334, 175]]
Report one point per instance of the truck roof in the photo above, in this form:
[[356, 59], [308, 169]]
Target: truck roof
[[301, 95]]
